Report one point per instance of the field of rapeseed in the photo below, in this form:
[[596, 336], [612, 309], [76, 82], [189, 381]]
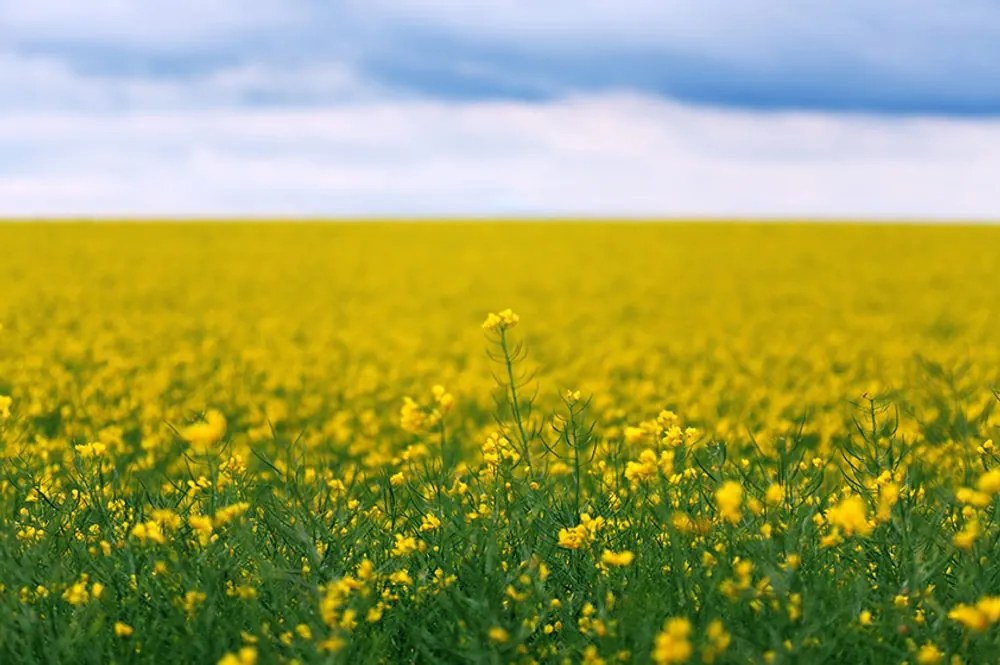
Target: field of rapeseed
[[284, 443]]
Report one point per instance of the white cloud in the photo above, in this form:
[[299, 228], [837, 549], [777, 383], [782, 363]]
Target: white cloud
[[751, 28], [596, 155], [45, 83], [149, 24]]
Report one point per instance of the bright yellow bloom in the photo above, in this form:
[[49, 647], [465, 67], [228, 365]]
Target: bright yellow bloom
[[123, 629], [989, 482], [245, 656], [978, 617], [445, 400], [77, 593], [774, 494], [624, 558], [929, 654], [90, 450], [405, 545], [717, 640], [967, 537], [673, 644], [401, 577], [850, 515], [502, 321], [227, 514], [971, 497], [202, 526], [412, 417], [499, 635], [728, 499], [204, 435], [573, 538], [149, 532], [429, 522], [888, 496]]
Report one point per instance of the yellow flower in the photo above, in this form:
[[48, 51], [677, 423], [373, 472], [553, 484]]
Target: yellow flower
[[444, 399], [499, 635], [429, 522], [979, 617], [673, 644], [401, 577], [204, 435], [77, 593], [774, 495], [990, 606], [227, 514], [123, 629], [90, 450], [5, 403], [624, 558], [728, 499], [202, 526], [989, 482], [718, 640], [571, 538], [887, 498], [412, 417], [850, 515], [191, 601], [971, 497], [647, 467], [502, 321], [405, 545], [967, 537], [245, 656], [929, 655], [149, 532]]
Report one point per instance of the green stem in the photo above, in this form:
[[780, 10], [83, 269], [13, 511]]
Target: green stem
[[514, 402]]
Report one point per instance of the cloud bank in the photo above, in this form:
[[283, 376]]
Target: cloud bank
[[611, 155], [510, 107]]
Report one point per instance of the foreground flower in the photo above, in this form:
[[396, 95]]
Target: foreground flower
[[619, 559], [245, 656], [502, 321], [850, 515], [499, 635], [90, 450], [978, 617], [203, 435], [673, 644], [729, 498]]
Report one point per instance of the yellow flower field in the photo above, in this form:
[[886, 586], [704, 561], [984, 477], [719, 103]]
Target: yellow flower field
[[244, 443]]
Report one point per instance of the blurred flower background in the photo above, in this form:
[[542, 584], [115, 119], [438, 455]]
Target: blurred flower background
[[759, 108]]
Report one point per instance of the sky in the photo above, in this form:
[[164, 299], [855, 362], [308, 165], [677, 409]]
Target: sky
[[567, 108]]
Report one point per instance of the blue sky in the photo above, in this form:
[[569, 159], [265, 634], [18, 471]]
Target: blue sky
[[513, 107]]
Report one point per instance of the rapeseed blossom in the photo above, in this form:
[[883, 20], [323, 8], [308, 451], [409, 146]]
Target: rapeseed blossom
[[248, 432], [617, 559], [673, 644], [850, 515], [728, 499]]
